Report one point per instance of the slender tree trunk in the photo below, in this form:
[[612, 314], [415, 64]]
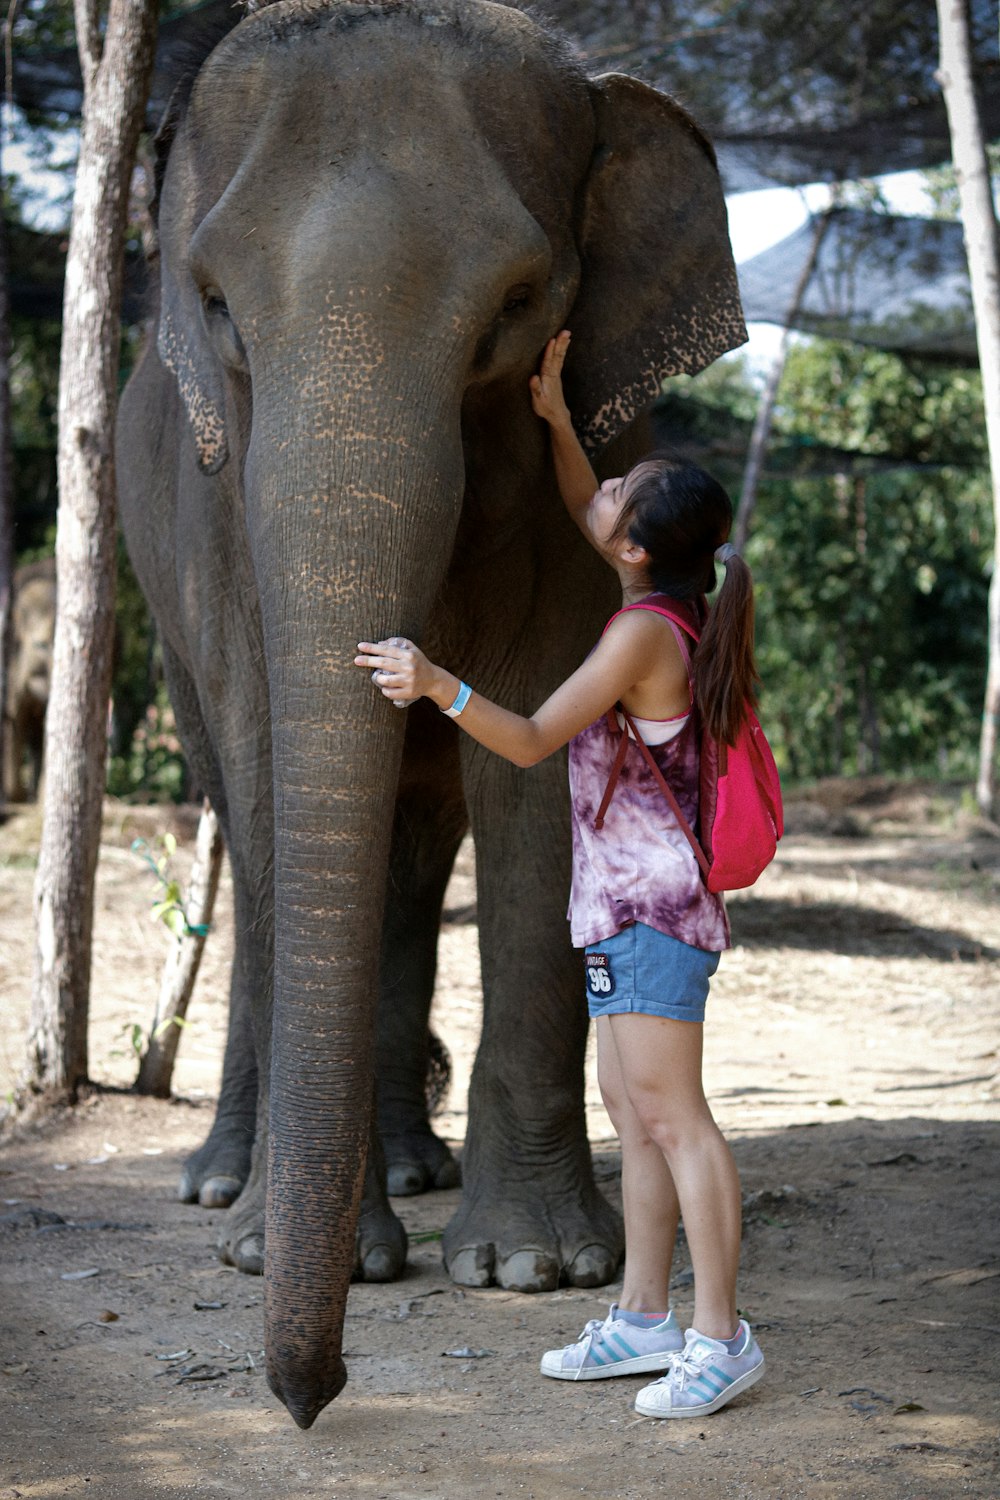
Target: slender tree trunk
[[181, 968], [980, 225], [116, 81], [761, 434], [6, 475]]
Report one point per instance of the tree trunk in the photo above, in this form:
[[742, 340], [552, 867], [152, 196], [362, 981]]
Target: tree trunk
[[980, 225], [181, 968], [6, 475], [761, 434], [116, 81]]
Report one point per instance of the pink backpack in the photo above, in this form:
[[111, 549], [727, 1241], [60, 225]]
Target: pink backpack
[[740, 816]]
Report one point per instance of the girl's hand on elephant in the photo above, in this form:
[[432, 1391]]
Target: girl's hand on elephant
[[546, 387], [399, 669]]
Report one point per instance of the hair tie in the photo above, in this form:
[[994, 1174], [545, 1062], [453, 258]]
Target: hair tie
[[725, 552]]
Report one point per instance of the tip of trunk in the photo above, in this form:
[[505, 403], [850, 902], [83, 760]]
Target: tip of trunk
[[306, 1398]]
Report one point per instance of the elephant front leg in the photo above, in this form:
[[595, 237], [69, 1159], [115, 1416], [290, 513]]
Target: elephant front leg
[[215, 1174], [430, 821], [218, 1171], [531, 1214]]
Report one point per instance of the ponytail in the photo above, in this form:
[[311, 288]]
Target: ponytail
[[723, 666], [680, 515]]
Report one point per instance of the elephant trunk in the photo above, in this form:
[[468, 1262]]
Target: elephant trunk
[[351, 533]]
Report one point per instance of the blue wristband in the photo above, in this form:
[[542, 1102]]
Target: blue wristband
[[461, 699]]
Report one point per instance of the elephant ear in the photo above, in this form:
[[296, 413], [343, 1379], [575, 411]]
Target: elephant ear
[[181, 342], [658, 293]]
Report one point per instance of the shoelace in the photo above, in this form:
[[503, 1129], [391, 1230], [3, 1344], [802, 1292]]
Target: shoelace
[[593, 1330], [678, 1370]]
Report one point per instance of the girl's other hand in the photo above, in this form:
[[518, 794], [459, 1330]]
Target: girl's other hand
[[398, 668], [546, 387]]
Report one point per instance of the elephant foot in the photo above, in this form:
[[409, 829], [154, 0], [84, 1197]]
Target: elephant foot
[[241, 1243], [534, 1243], [380, 1242], [380, 1245], [215, 1174], [417, 1162]]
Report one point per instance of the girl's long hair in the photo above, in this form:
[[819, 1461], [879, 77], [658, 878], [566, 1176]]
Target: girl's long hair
[[679, 514]]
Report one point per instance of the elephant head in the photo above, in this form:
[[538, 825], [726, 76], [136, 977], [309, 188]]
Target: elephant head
[[371, 218]]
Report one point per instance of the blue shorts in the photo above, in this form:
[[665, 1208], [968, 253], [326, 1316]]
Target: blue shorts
[[645, 972]]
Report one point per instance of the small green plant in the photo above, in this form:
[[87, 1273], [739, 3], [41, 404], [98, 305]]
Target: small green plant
[[169, 909]]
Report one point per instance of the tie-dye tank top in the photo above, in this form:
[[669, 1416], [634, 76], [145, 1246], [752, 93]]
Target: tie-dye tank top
[[639, 866]]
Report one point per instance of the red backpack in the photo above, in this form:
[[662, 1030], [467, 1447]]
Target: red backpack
[[740, 816]]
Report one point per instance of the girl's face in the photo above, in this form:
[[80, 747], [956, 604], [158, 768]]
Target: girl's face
[[605, 509], [605, 512]]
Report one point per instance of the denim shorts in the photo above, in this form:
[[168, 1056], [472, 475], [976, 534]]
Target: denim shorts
[[645, 972]]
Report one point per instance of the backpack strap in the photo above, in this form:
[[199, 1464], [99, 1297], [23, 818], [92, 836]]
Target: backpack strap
[[616, 767], [677, 616]]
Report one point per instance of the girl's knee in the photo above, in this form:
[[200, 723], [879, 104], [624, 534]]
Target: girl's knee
[[675, 1128]]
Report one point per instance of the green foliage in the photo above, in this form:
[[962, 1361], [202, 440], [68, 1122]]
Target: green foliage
[[169, 908], [872, 586], [152, 766]]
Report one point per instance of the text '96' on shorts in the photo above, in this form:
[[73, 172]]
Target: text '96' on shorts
[[645, 972]]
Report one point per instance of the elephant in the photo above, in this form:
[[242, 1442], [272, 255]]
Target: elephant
[[370, 218], [29, 674]]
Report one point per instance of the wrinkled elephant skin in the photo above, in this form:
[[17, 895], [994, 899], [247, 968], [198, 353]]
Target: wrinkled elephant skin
[[371, 217]]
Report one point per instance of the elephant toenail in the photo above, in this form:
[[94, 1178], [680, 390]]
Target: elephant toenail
[[472, 1266], [594, 1265], [381, 1263], [219, 1192], [249, 1255], [528, 1271], [403, 1179]]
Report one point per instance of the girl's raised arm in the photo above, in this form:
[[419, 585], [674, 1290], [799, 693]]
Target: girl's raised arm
[[577, 480]]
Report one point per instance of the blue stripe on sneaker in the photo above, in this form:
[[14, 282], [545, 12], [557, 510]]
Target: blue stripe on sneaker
[[617, 1342], [708, 1386]]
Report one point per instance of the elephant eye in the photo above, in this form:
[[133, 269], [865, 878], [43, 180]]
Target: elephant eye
[[222, 331], [214, 302], [516, 298]]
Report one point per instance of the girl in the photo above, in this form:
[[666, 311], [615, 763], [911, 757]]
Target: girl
[[651, 930]]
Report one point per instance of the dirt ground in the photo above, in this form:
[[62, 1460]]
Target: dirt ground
[[852, 1062]]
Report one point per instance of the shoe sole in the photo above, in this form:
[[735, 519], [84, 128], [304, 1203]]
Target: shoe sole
[[643, 1364], [742, 1383]]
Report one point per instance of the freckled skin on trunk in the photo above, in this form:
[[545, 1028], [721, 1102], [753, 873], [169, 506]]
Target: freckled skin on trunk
[[331, 440]]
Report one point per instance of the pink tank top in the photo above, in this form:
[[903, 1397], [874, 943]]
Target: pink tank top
[[639, 866]]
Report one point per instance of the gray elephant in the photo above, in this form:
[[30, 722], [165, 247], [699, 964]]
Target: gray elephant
[[371, 217], [29, 676]]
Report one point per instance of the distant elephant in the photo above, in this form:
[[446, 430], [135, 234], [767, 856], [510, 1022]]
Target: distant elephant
[[29, 676], [371, 216]]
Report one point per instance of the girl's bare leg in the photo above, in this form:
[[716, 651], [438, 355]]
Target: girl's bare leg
[[649, 1198], [659, 1067]]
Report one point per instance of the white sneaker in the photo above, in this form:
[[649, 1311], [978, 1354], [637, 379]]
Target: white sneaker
[[615, 1347], [703, 1377]]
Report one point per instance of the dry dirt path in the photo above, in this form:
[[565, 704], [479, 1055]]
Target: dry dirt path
[[852, 1060]]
